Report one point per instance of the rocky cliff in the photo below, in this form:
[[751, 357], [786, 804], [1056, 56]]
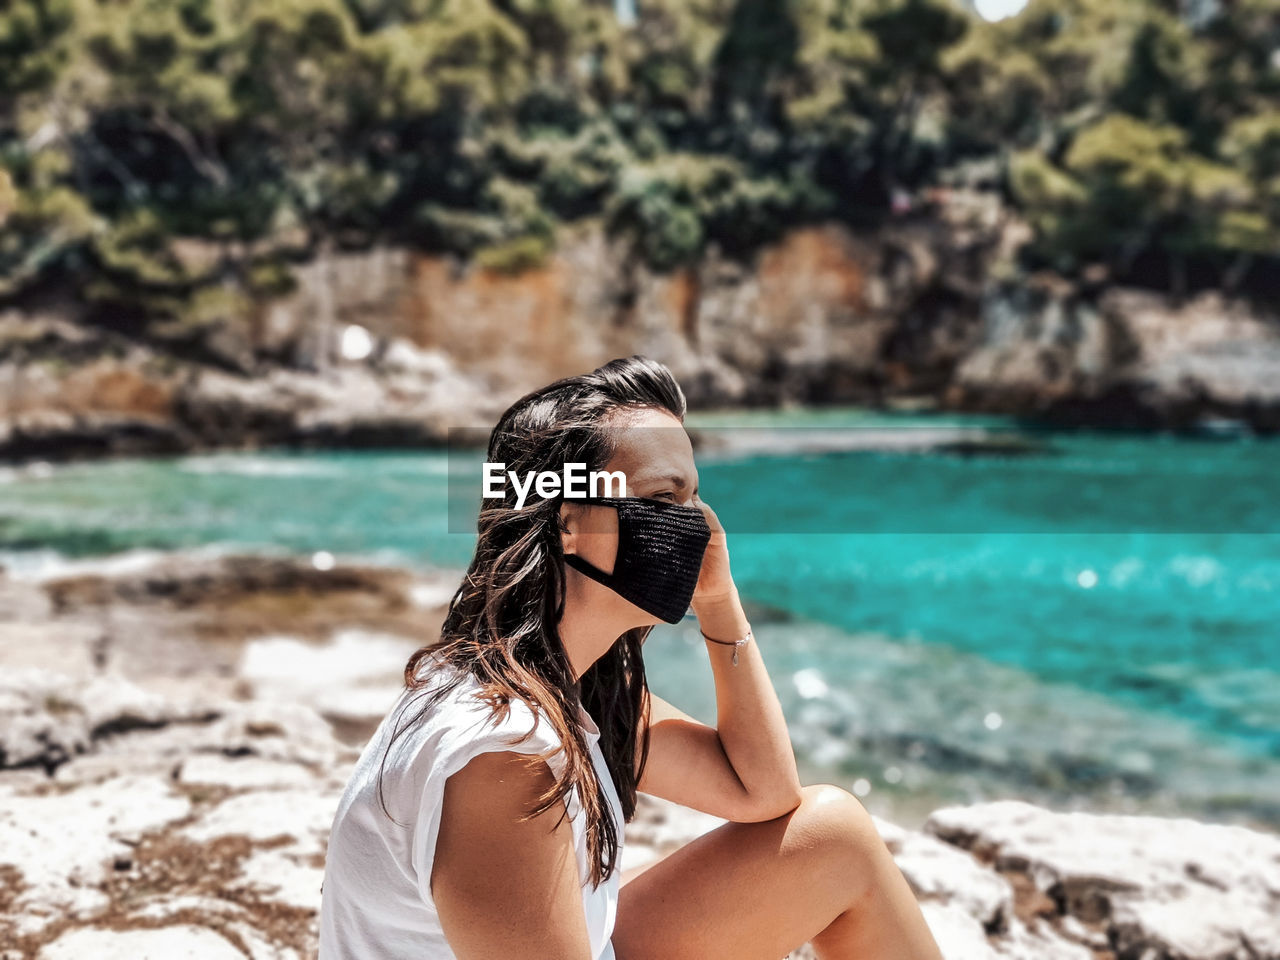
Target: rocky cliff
[[1121, 357], [392, 347]]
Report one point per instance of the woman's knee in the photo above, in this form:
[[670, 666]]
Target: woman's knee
[[840, 827], [836, 807]]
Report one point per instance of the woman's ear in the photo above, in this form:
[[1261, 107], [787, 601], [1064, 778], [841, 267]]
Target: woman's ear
[[567, 520]]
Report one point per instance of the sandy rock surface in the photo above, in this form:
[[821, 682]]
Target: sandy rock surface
[[205, 837], [1174, 886], [166, 796]]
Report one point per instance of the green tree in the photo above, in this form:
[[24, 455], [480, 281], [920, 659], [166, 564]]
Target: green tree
[[905, 85], [34, 47], [1252, 145]]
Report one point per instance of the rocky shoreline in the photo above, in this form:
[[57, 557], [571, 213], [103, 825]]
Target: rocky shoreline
[[167, 783], [392, 347]]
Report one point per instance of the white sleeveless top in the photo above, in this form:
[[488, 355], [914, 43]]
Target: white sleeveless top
[[376, 897]]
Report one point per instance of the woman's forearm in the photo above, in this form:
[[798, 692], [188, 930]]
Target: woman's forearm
[[749, 717]]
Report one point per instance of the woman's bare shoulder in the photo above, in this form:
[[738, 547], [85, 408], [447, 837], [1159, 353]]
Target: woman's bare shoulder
[[499, 878]]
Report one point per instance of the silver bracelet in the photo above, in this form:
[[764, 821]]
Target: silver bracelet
[[731, 643]]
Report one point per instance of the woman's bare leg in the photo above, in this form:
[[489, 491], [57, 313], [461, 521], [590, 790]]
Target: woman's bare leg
[[757, 891]]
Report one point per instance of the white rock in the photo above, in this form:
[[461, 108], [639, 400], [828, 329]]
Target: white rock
[[242, 772], [262, 815], [286, 731], [402, 356], [1041, 943], [940, 871], [1073, 929], [166, 943], [959, 935], [289, 734], [279, 877], [63, 843], [258, 947], [1195, 922], [25, 645], [48, 717], [170, 905], [1182, 887], [357, 675]]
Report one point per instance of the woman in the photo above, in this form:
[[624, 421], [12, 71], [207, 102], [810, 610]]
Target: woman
[[485, 818]]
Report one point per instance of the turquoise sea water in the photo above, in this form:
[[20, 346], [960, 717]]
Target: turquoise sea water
[[1091, 623]]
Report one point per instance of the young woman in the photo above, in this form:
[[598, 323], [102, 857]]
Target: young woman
[[485, 818]]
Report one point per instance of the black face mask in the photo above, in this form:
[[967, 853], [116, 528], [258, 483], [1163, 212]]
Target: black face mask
[[660, 548]]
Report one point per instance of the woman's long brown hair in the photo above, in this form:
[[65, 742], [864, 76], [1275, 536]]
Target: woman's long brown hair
[[503, 622]]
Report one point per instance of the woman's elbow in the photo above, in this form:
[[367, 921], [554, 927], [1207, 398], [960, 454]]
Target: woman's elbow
[[773, 807]]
